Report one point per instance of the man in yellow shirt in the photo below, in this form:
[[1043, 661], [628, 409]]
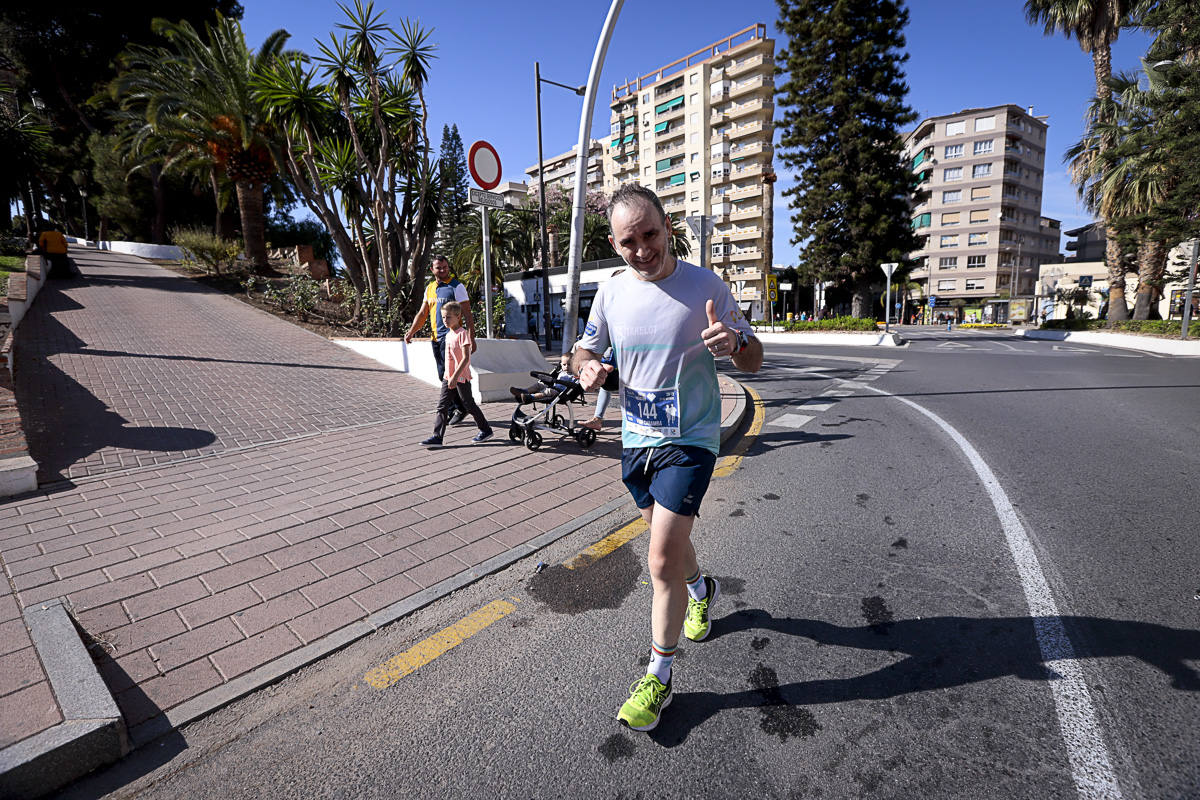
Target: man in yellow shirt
[[441, 290], [53, 245]]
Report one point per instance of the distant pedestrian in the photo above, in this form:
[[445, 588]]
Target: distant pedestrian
[[53, 246], [457, 379], [442, 289]]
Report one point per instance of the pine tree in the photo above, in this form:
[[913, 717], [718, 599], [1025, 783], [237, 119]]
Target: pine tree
[[843, 99], [454, 206]]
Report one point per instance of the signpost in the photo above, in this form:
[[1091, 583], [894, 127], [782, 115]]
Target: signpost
[[932, 302], [1194, 245], [888, 269], [702, 228], [484, 163]]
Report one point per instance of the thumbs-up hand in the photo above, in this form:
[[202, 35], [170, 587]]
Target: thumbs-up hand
[[718, 337]]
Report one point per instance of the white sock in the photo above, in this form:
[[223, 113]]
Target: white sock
[[697, 587], [661, 659]]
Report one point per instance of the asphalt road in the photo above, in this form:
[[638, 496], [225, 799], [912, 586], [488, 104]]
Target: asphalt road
[[875, 636]]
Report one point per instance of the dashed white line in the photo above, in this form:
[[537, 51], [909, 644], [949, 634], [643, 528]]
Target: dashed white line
[[791, 420], [1091, 766]]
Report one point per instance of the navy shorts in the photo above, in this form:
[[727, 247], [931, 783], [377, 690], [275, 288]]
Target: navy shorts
[[674, 476]]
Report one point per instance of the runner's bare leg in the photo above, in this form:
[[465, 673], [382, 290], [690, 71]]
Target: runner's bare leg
[[671, 561]]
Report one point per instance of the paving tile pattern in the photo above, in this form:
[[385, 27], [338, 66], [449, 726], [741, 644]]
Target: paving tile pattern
[[134, 365], [310, 507]]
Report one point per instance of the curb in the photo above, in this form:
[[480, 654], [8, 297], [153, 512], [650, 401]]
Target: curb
[[842, 339], [92, 733], [1124, 341]]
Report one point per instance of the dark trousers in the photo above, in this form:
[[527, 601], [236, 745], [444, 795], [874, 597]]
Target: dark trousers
[[462, 393], [439, 356]]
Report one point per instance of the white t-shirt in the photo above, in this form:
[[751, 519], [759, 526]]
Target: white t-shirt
[[669, 390]]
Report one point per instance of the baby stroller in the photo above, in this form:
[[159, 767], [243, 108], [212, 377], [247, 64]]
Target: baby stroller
[[558, 391]]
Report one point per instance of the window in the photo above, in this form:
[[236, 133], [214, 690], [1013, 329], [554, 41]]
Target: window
[[983, 147], [981, 193], [694, 138], [981, 170], [694, 79], [695, 198], [693, 158], [953, 151], [646, 97], [646, 118], [947, 262], [978, 217], [985, 124], [955, 128], [951, 218], [946, 286], [976, 239], [975, 284], [952, 197], [949, 241], [952, 174], [695, 98], [975, 262], [920, 221], [694, 176], [695, 118]]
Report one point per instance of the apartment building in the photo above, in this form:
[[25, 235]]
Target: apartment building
[[560, 170], [699, 132], [977, 203]]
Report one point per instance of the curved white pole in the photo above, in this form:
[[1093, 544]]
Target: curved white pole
[[571, 323]]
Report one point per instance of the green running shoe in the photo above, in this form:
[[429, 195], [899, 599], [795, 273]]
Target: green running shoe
[[648, 697], [696, 625]]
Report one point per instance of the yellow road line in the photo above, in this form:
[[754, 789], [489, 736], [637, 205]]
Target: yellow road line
[[734, 460], [426, 650], [600, 549]]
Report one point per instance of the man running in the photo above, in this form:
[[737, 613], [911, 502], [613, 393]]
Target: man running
[[666, 321], [439, 291]]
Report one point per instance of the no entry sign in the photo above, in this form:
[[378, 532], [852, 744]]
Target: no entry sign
[[484, 163]]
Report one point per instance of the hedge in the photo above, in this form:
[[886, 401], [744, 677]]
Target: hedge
[[834, 324], [1161, 327]]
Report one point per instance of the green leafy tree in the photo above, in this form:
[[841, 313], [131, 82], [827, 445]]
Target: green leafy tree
[[1095, 24], [454, 200], [200, 113], [842, 95], [357, 149]]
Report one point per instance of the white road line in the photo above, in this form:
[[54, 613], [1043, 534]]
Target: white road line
[[809, 405], [1091, 766], [791, 420]]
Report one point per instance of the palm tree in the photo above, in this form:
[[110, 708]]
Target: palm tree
[[1095, 25], [197, 101], [680, 246], [23, 142]]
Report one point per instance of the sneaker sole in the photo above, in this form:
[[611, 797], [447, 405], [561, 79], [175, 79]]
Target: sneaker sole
[[654, 724], [716, 596]]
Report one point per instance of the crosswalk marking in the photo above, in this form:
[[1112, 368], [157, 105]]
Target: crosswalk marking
[[791, 420]]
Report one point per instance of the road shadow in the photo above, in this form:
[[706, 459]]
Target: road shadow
[[942, 653]]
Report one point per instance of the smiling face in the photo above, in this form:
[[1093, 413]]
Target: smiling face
[[441, 270], [640, 236]]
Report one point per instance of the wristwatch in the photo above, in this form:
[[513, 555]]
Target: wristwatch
[[743, 341]]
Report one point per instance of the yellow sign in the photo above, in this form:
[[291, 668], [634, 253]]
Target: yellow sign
[[772, 287]]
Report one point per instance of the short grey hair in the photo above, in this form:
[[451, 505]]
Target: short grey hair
[[630, 193]]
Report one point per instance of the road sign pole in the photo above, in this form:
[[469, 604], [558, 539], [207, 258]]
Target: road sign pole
[[888, 269], [1191, 287], [487, 273]]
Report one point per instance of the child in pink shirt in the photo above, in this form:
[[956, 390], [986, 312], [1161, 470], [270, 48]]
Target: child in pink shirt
[[457, 380]]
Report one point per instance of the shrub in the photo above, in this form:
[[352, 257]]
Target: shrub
[[200, 247], [376, 315], [1161, 327], [298, 296], [833, 324], [283, 231]]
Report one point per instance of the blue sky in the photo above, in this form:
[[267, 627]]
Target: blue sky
[[963, 55]]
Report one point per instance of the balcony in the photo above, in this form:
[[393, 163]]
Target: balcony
[[745, 254], [667, 150], [752, 212], [742, 234], [743, 66], [748, 170], [717, 178], [747, 129], [744, 191], [746, 275], [747, 149], [753, 293], [750, 107], [670, 189], [748, 85]]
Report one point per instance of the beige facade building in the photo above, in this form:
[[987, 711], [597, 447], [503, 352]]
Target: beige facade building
[[699, 132], [560, 170], [977, 207]]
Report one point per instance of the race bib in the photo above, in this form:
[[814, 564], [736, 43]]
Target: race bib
[[651, 413]]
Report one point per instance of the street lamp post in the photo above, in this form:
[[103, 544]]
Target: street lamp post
[[83, 197], [579, 90]]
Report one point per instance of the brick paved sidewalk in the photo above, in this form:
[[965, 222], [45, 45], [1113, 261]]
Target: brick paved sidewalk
[[242, 488]]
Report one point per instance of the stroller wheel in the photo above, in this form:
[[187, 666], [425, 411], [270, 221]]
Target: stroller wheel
[[515, 433], [533, 439], [586, 437]]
